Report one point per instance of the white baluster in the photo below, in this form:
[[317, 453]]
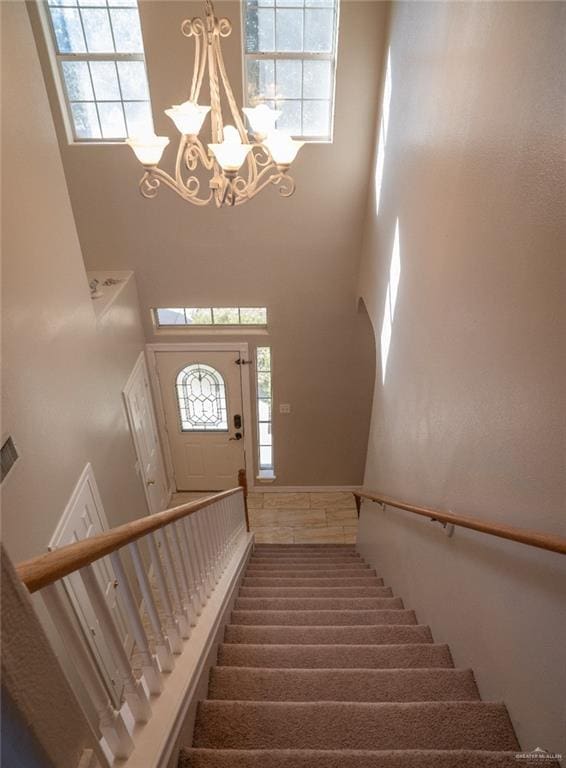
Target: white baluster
[[197, 557], [162, 646], [190, 573], [183, 578], [183, 619], [133, 689], [110, 720], [149, 664], [203, 549], [173, 631]]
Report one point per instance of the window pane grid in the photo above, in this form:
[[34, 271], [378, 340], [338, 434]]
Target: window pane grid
[[264, 408], [113, 102], [210, 316], [300, 33]]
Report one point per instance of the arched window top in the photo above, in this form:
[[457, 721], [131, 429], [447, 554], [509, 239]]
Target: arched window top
[[201, 395]]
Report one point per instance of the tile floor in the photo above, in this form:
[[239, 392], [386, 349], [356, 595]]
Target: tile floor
[[298, 518]]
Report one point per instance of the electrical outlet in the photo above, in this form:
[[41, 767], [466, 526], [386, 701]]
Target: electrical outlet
[[284, 408]]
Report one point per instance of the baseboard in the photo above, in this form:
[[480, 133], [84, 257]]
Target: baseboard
[[259, 488], [157, 741]]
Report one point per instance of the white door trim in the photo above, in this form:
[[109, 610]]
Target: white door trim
[[249, 427], [141, 364]]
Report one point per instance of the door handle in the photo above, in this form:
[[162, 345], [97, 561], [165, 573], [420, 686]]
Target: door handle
[[237, 436], [150, 482]]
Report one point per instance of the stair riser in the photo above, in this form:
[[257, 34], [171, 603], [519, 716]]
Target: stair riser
[[317, 603], [237, 725], [233, 684], [368, 635], [315, 592], [350, 581], [323, 618], [304, 547], [348, 656], [308, 559], [325, 566]]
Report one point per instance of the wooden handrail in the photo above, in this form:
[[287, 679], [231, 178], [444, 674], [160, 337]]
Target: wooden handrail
[[48, 568], [521, 535]]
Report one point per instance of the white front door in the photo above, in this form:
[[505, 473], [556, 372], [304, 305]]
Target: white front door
[[202, 401], [139, 405]]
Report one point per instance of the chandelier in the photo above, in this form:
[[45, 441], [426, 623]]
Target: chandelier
[[239, 165]]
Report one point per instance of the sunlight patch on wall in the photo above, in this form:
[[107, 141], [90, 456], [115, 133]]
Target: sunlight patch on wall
[[390, 302], [383, 128]]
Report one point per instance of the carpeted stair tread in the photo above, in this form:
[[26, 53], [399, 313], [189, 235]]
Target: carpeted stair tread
[[316, 592], [341, 581], [347, 758], [393, 685], [317, 603], [322, 667], [385, 634], [326, 618], [321, 573], [347, 656], [304, 547], [324, 566], [287, 559], [353, 725]]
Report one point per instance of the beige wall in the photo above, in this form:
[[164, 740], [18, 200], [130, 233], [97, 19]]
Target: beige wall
[[296, 256], [62, 372], [470, 417]]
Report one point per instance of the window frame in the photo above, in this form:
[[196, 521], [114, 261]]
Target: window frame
[[269, 471], [56, 60], [332, 56], [209, 327]]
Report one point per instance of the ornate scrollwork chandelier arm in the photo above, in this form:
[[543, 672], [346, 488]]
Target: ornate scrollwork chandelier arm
[[243, 191], [264, 163], [188, 190], [195, 153]]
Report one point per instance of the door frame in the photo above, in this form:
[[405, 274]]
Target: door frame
[[242, 347], [140, 364]]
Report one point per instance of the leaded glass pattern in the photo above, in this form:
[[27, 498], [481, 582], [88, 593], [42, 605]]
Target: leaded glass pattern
[[99, 50], [290, 62], [201, 395]]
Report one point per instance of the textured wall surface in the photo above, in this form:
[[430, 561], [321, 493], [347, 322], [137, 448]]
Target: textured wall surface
[[298, 256], [469, 407], [62, 371], [31, 676]]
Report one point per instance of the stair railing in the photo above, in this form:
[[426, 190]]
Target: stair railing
[[521, 535], [172, 560]]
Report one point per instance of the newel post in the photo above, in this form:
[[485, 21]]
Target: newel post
[[358, 500], [243, 483]]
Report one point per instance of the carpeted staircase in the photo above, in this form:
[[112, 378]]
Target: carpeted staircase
[[322, 667]]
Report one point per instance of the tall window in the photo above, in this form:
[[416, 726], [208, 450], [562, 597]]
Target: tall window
[[201, 396], [264, 408], [100, 60], [290, 62]]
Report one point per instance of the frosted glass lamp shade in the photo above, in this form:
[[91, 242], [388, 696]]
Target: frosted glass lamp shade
[[231, 153], [148, 149], [261, 119], [282, 148], [188, 117]]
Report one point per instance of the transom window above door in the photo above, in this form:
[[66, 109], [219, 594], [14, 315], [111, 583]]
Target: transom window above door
[[290, 62], [98, 56], [201, 395], [210, 316]]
